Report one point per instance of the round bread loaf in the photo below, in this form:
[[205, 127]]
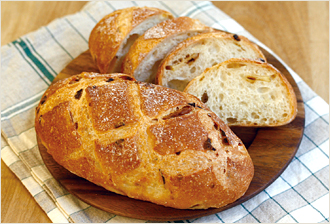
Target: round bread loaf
[[113, 35], [142, 140]]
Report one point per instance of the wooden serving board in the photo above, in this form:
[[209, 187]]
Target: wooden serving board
[[271, 150]]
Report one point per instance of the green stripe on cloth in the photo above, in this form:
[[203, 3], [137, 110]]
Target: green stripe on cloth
[[35, 60], [34, 50]]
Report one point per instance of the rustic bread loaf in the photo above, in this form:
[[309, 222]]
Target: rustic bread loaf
[[244, 92], [112, 36], [149, 49], [192, 56], [142, 140]]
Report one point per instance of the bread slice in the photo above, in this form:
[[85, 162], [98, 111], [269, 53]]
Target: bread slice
[[244, 92], [192, 56], [148, 50], [112, 36]]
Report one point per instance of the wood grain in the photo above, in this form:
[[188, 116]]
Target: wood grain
[[305, 50], [271, 150]]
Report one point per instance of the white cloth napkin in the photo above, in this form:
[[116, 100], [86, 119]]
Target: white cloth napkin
[[30, 63]]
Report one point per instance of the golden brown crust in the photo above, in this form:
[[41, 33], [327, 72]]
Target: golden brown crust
[[109, 33], [195, 40], [155, 35], [179, 154]]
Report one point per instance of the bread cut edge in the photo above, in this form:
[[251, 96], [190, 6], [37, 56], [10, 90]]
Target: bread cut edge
[[291, 94], [195, 41]]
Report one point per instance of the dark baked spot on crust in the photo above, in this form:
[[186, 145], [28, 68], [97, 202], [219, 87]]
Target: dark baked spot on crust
[[127, 78], [43, 100], [120, 124], [179, 112], [236, 37], [110, 80], [77, 96], [208, 145], [75, 79], [163, 178]]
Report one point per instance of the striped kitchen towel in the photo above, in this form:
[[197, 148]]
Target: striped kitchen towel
[[30, 63]]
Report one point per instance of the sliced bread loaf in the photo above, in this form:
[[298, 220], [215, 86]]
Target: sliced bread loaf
[[145, 55], [112, 37], [244, 92], [191, 57]]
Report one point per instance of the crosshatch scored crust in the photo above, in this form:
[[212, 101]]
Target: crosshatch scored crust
[[134, 150]]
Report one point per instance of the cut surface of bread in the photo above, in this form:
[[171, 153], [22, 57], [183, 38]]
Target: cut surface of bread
[[149, 49], [246, 93], [192, 56], [113, 35], [142, 140]]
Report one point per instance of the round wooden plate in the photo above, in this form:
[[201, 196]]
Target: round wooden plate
[[271, 150]]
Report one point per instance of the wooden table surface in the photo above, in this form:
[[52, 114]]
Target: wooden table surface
[[296, 31]]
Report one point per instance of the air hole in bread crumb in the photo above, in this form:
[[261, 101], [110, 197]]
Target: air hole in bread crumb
[[254, 115], [242, 103], [263, 89], [193, 69], [223, 76], [231, 120], [273, 76], [205, 97], [235, 65], [284, 115], [169, 67]]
